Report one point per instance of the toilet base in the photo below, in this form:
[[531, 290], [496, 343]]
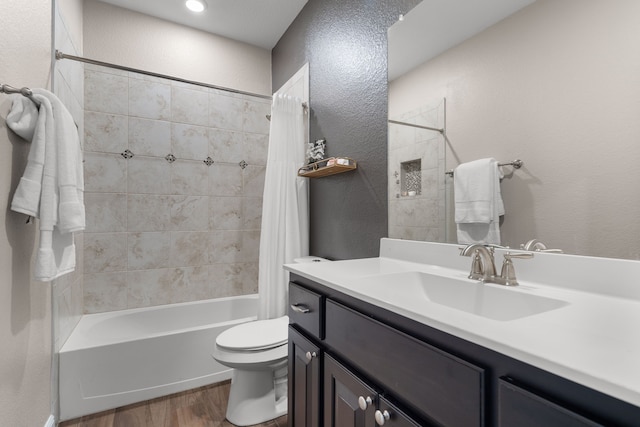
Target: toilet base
[[252, 398]]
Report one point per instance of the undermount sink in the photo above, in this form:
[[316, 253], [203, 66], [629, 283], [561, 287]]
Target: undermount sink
[[413, 291]]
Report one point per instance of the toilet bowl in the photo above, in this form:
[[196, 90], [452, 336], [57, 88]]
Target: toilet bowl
[[258, 352]]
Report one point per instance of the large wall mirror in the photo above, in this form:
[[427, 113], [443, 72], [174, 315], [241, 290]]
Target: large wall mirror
[[555, 84]]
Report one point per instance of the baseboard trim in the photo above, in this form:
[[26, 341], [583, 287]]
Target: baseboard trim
[[51, 421]]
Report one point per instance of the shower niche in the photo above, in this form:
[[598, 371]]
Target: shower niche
[[411, 178]]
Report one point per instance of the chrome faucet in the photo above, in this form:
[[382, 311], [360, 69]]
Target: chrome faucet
[[483, 266]]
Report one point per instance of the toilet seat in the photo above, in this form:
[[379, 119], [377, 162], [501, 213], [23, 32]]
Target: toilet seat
[[259, 335]]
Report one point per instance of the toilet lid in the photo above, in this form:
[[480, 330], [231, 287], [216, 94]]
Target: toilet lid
[[257, 335]]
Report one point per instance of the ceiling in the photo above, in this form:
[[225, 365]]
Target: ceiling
[[257, 22], [434, 26]]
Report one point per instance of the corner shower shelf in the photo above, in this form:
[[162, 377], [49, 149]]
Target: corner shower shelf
[[326, 167]]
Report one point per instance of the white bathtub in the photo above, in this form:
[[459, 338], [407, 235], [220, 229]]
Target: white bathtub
[[118, 358]]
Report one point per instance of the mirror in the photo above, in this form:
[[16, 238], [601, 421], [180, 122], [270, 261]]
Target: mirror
[[555, 84]]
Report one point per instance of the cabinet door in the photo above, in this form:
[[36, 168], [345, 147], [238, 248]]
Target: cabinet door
[[343, 395], [389, 415], [304, 381], [521, 408]]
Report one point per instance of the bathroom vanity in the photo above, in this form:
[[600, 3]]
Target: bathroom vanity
[[384, 341]]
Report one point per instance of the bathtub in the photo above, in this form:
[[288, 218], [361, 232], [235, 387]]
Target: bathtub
[[118, 358]]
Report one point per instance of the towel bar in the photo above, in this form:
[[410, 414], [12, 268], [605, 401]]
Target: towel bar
[[517, 164]]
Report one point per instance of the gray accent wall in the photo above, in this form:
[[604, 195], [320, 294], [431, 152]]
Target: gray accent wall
[[345, 44]]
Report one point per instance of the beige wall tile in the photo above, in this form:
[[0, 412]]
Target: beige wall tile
[[189, 141], [190, 106], [105, 133], [148, 212], [105, 173], [149, 137], [225, 213], [148, 250], [150, 100], [105, 212], [105, 292], [105, 252]]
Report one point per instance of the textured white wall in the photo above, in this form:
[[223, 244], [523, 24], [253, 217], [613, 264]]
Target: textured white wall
[[122, 37], [557, 85], [25, 313]]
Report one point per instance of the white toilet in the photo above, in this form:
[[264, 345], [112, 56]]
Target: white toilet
[[258, 352]]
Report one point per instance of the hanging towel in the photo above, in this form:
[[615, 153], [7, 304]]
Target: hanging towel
[[478, 202], [22, 117], [52, 186]]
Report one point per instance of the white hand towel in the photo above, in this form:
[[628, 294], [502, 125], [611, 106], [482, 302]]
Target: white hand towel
[[478, 202]]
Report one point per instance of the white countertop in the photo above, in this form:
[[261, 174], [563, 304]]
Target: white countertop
[[594, 340]]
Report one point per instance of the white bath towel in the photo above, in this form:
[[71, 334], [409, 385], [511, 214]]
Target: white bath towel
[[478, 201], [22, 117], [52, 187], [69, 172]]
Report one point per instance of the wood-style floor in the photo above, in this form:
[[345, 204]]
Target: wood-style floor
[[201, 407]]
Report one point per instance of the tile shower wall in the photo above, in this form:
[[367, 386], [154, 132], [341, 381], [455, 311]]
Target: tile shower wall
[[161, 232], [416, 176]]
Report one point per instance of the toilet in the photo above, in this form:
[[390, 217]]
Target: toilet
[[258, 353]]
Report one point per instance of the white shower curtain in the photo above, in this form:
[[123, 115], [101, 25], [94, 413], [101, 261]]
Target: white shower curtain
[[285, 210]]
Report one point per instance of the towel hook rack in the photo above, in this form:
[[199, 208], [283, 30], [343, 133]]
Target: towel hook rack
[[517, 164], [25, 91]]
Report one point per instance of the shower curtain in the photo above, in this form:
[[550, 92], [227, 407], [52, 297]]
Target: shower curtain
[[285, 212]]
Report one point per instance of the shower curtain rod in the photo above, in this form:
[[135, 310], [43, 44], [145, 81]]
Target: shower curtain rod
[[61, 55], [441, 130]]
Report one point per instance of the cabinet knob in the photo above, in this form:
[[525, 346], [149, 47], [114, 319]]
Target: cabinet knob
[[382, 417], [364, 402], [300, 308], [310, 355]]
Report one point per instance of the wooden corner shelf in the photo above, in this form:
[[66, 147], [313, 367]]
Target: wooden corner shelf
[[326, 167]]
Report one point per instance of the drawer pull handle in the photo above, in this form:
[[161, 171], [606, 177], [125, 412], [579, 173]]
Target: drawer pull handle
[[364, 402], [310, 355], [300, 308], [382, 417]]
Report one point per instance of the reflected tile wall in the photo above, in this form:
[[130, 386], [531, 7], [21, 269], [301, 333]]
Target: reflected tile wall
[[161, 232], [421, 216]]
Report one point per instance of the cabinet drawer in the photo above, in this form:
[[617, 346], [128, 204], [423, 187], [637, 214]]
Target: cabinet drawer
[[522, 408], [444, 388], [305, 309]]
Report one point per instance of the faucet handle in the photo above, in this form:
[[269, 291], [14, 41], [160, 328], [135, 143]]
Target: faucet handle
[[477, 271], [509, 256], [508, 273]]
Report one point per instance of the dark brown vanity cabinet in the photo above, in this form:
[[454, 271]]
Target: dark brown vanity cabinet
[[355, 364]]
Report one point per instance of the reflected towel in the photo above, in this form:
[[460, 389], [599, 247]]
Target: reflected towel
[[478, 202]]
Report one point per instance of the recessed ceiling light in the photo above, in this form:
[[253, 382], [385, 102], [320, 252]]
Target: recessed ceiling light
[[196, 5]]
